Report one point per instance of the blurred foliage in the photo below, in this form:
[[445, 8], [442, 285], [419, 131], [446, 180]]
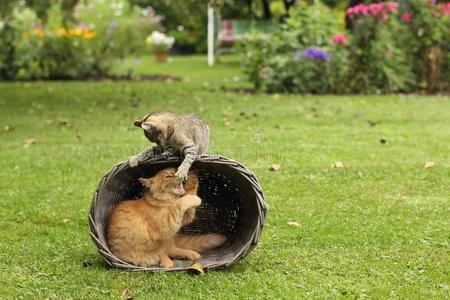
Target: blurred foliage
[[122, 27], [426, 41], [385, 52], [275, 62], [184, 20], [34, 46], [65, 53]]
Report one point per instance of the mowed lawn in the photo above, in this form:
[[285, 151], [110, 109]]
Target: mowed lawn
[[377, 228]]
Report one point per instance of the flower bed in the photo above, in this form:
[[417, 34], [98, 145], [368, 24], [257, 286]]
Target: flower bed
[[392, 47]]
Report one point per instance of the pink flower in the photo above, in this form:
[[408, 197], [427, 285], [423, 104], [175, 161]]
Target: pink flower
[[339, 39], [445, 8], [391, 6], [375, 8], [350, 11], [406, 17]]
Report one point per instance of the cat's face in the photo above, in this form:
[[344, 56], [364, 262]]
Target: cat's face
[[156, 127], [164, 182]]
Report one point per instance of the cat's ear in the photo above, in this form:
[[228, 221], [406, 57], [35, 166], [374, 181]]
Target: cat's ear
[[170, 131], [146, 181], [138, 122]]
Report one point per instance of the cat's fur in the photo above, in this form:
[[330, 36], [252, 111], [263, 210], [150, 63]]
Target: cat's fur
[[185, 135], [144, 231]]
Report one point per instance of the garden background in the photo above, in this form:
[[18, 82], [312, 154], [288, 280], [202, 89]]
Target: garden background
[[347, 101]]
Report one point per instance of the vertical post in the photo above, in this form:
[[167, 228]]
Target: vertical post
[[210, 35]]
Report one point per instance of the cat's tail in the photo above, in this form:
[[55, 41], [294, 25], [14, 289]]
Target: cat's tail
[[199, 243]]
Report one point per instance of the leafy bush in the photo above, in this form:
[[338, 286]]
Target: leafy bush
[[122, 27], [377, 63], [425, 37], [184, 20], [87, 46], [300, 57], [391, 48], [60, 54], [7, 50]]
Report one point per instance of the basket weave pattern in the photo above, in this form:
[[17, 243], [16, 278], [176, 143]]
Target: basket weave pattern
[[232, 205]]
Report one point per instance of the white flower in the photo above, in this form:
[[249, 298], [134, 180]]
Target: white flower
[[159, 39]]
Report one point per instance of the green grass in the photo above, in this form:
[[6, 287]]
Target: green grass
[[379, 228]]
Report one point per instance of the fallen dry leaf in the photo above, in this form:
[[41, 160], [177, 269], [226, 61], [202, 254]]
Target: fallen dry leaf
[[125, 295], [63, 122], [429, 164], [294, 224], [337, 164], [196, 268], [28, 142], [274, 167]]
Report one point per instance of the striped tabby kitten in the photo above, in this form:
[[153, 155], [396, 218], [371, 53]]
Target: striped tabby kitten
[[185, 135]]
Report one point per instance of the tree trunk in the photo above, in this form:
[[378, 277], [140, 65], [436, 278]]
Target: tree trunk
[[67, 7], [250, 10], [288, 4], [266, 9]]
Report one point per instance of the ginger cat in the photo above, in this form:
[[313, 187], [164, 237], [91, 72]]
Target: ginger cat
[[144, 231]]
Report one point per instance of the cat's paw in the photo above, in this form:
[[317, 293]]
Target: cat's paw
[[195, 201], [181, 174], [193, 255], [167, 263], [133, 161], [189, 201]]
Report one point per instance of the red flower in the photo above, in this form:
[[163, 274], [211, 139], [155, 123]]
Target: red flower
[[339, 39], [406, 17]]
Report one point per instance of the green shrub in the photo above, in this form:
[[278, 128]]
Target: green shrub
[[61, 54], [425, 38], [8, 66], [386, 51], [101, 32], [376, 62], [300, 56], [123, 28], [184, 20]]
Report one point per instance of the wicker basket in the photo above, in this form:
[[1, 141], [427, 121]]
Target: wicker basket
[[232, 205]]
